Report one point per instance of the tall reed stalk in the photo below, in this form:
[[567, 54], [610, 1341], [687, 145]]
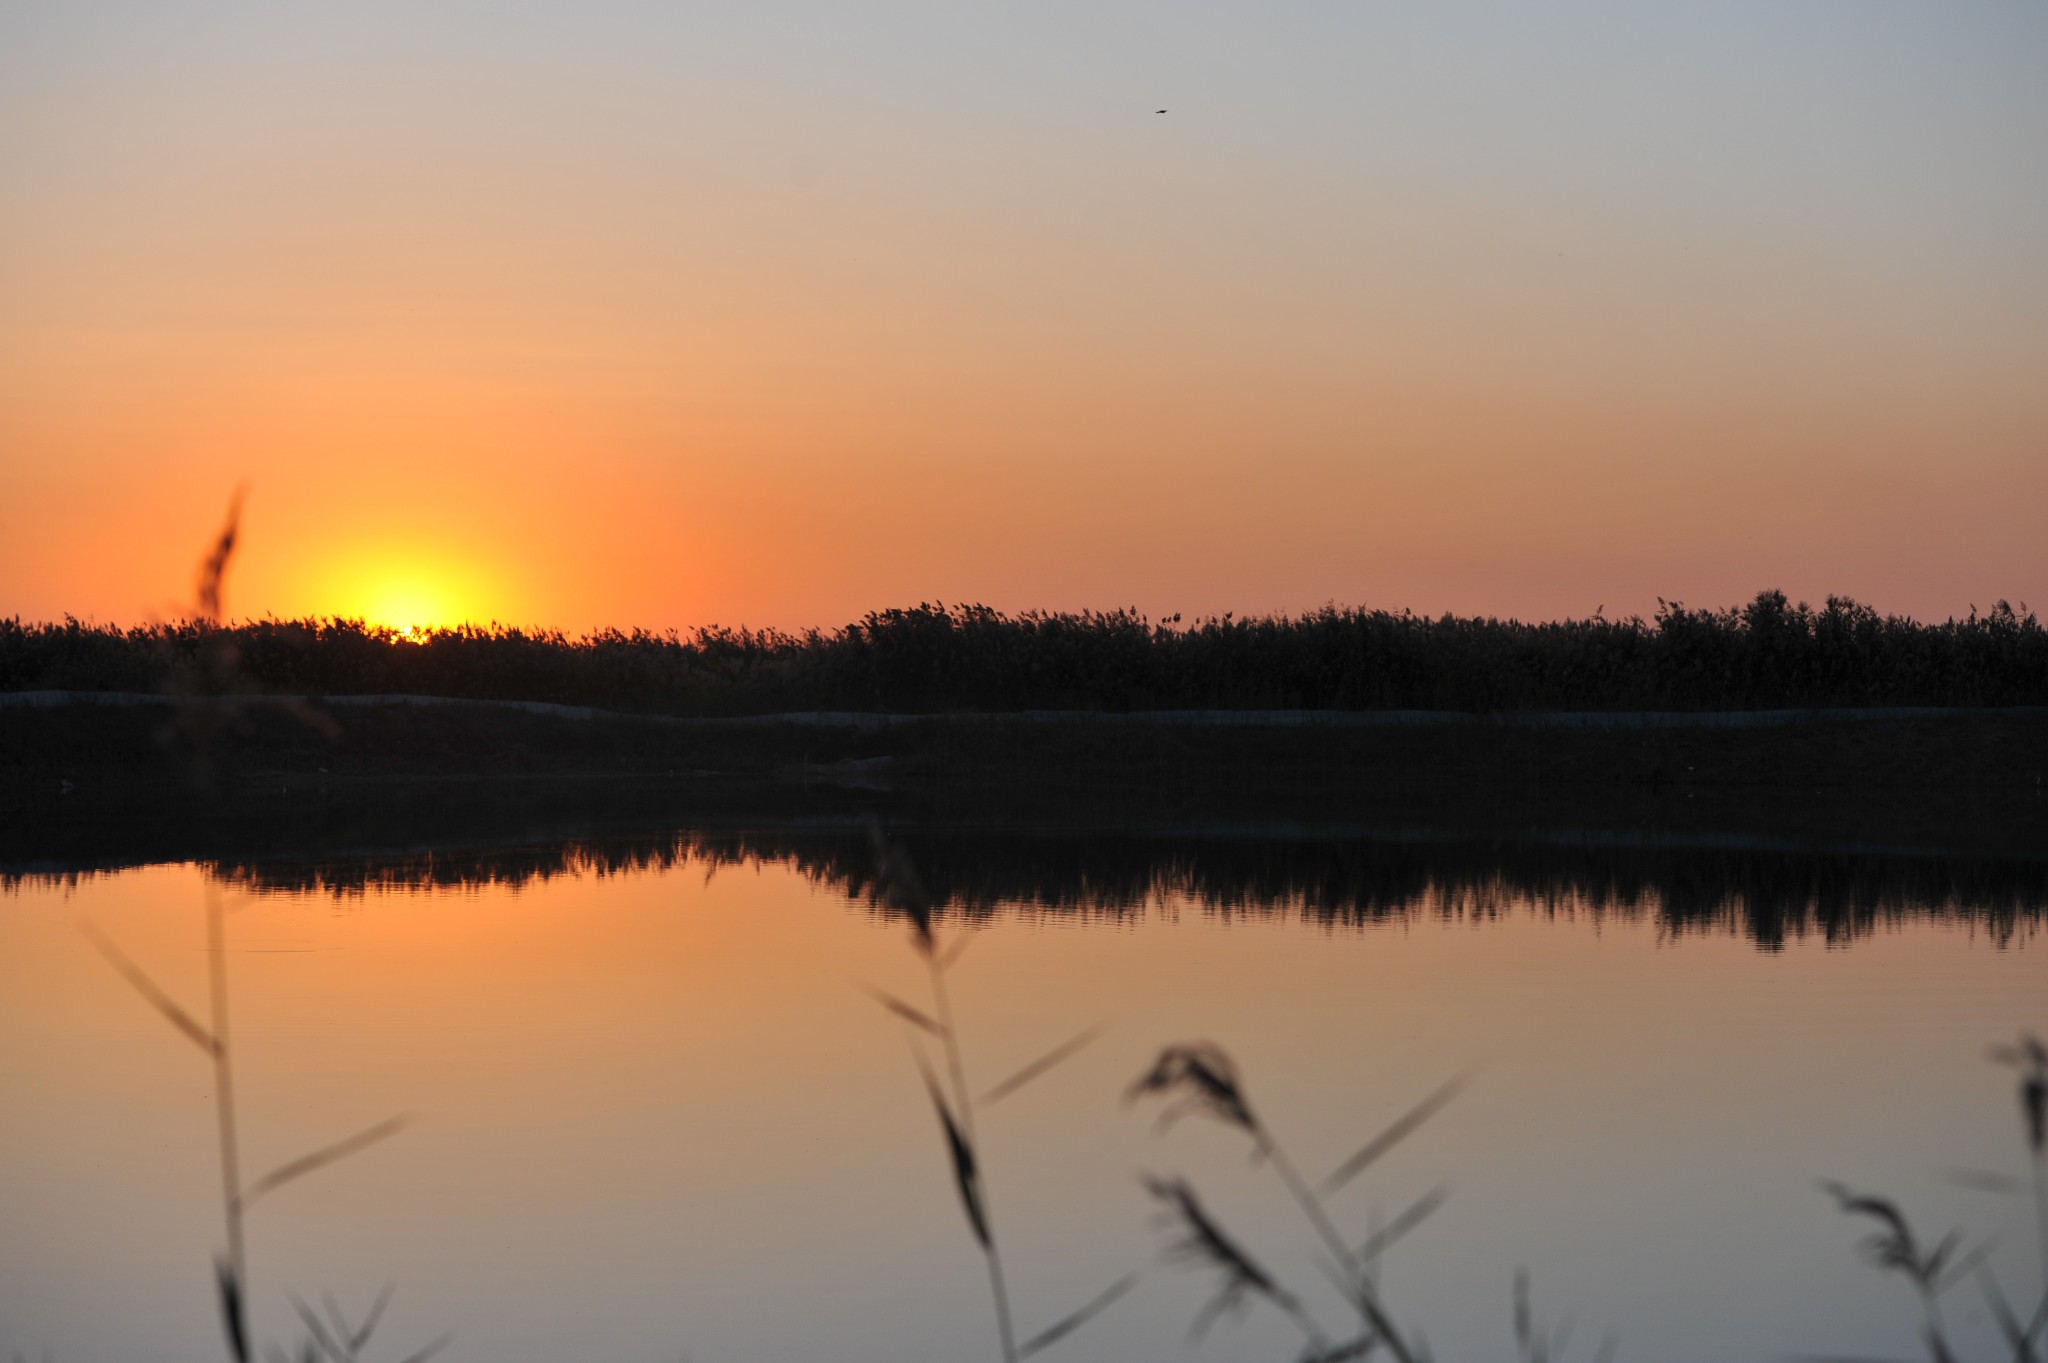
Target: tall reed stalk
[[198, 720], [956, 1103], [234, 1273], [966, 1142], [216, 1040]]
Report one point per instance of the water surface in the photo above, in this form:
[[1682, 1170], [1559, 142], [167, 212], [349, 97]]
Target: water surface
[[656, 1112]]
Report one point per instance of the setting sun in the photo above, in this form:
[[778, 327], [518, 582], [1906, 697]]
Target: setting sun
[[407, 607], [402, 588]]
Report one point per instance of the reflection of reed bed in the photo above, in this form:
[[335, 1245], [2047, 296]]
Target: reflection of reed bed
[[1768, 895]]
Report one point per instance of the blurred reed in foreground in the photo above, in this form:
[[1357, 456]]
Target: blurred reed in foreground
[[1936, 1268], [957, 1107], [336, 1338]]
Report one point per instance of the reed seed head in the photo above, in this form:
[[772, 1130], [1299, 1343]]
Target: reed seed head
[[2030, 1058], [1201, 1078], [901, 888], [1894, 1246]]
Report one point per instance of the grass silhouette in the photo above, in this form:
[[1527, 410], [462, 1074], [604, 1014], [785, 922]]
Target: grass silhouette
[[1767, 654]]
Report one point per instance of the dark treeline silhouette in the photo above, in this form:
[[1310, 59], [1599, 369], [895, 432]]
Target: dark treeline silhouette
[[1770, 653], [1768, 895]]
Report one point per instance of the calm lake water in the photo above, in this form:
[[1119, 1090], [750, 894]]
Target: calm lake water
[[656, 1112]]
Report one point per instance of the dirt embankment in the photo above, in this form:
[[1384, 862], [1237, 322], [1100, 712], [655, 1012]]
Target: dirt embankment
[[81, 774]]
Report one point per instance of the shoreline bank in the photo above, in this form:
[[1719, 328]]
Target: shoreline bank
[[82, 783]]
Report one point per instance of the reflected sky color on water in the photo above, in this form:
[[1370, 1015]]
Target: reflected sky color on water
[[655, 1113]]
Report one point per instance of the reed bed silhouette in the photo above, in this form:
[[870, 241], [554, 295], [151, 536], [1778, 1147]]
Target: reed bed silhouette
[[936, 658]]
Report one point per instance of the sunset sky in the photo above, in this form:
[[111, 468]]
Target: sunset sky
[[662, 314]]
